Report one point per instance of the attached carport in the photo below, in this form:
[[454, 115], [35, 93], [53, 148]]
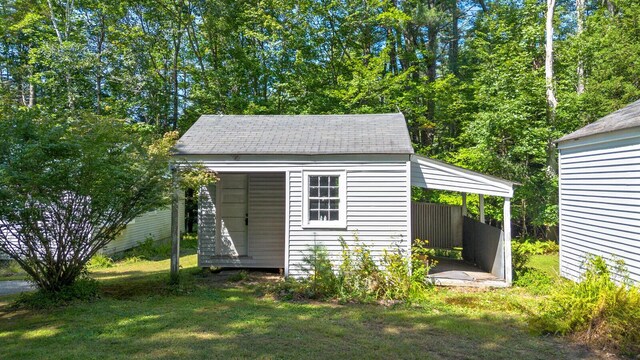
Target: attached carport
[[485, 247]]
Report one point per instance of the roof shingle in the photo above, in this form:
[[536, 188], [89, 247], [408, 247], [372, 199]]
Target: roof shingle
[[296, 135], [625, 118]]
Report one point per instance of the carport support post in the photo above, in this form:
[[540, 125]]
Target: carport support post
[[507, 240], [481, 209], [175, 229]]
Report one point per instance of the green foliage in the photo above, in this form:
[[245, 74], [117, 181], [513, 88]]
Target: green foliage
[[523, 249], [604, 312], [446, 253], [359, 278], [100, 261], [321, 281], [82, 289], [536, 281], [9, 268], [189, 241], [149, 249], [81, 177]]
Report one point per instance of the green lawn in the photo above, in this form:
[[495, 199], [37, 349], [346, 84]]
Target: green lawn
[[549, 264], [139, 316]]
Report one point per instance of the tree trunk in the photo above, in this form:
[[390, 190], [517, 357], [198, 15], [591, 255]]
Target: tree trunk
[[552, 102], [548, 64], [100, 44], [455, 39], [580, 28], [432, 38]]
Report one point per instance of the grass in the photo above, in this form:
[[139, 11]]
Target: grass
[[140, 316], [549, 264], [10, 270]]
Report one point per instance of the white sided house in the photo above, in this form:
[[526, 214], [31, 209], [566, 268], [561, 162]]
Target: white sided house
[[287, 183], [599, 184]]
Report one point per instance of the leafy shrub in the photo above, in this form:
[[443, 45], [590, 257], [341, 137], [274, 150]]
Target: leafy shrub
[[9, 268], [406, 278], [600, 310], [446, 253], [83, 289], [521, 253], [149, 249], [536, 281], [322, 281], [100, 261], [359, 278], [523, 249], [189, 241]]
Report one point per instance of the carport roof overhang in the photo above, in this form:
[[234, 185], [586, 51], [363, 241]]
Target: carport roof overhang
[[432, 174]]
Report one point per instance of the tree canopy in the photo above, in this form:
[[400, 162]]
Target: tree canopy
[[69, 184], [469, 75]]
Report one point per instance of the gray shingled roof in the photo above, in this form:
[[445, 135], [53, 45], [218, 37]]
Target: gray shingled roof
[[296, 134], [625, 118]]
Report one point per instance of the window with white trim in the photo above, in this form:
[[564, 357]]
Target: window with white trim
[[324, 195]]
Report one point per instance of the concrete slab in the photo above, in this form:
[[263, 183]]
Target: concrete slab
[[451, 272]]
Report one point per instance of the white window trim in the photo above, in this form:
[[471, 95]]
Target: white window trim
[[342, 193]]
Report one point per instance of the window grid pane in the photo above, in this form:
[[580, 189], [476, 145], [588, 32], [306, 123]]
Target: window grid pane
[[324, 198]]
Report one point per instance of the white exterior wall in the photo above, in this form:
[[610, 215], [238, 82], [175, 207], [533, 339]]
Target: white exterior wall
[[377, 210], [599, 185], [378, 200], [155, 224]]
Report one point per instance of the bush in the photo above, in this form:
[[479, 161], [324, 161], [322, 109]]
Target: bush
[[322, 281], [359, 278], [522, 250], [521, 253], [149, 249], [83, 289], [100, 261], [189, 241], [597, 309], [536, 281], [10, 268]]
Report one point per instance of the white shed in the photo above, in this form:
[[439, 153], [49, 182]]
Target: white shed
[[599, 193], [290, 182]]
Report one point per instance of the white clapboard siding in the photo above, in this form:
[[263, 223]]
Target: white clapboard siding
[[378, 206], [377, 211], [600, 202], [431, 174], [154, 224]]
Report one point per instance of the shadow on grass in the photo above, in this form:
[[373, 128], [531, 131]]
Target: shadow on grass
[[143, 317]]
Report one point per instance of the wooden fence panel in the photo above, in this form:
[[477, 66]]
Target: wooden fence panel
[[440, 224]]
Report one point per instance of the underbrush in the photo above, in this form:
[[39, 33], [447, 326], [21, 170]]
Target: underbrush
[[536, 281], [9, 268], [82, 289], [358, 278], [597, 310], [100, 261], [149, 249]]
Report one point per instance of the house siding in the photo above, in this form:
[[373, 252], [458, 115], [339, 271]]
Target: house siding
[[377, 205], [154, 224], [377, 213], [599, 190]]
